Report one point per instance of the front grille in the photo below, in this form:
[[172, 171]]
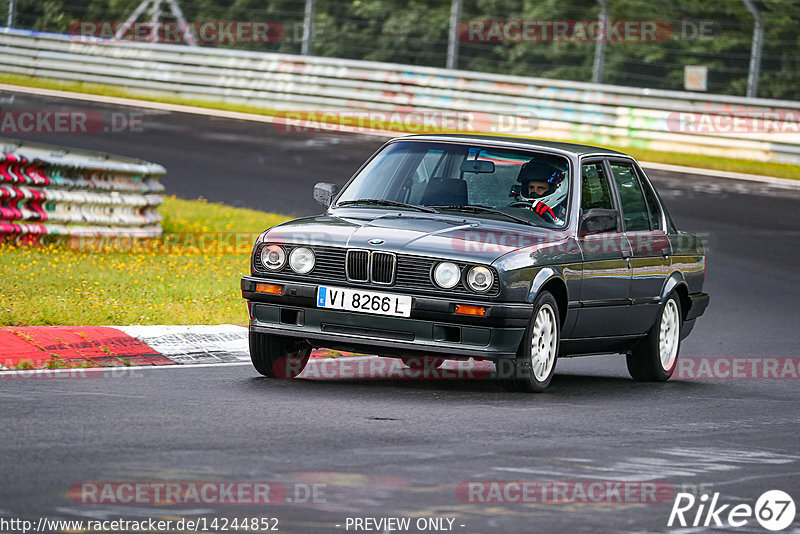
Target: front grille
[[383, 267], [358, 265]]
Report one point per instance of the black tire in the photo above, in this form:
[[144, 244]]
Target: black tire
[[278, 356], [519, 374], [423, 363], [647, 362]]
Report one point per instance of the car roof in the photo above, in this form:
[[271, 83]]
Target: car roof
[[523, 142]]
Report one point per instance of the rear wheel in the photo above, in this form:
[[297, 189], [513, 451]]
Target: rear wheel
[[533, 368], [278, 356], [655, 358]]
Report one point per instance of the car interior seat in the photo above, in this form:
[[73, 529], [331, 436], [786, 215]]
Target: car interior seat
[[445, 192]]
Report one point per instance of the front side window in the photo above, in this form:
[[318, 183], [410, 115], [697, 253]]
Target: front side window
[[486, 181], [634, 207], [595, 191]]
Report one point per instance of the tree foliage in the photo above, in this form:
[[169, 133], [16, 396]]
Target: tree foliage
[[717, 35]]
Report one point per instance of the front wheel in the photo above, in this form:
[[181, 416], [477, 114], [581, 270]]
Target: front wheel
[[277, 356], [533, 368], [655, 358]]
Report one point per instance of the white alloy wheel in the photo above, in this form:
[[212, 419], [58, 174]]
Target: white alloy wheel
[[669, 335], [544, 342], [655, 357]]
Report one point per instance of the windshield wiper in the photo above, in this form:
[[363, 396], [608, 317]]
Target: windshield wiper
[[484, 209], [383, 202]]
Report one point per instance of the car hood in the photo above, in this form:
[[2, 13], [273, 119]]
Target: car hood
[[469, 239]]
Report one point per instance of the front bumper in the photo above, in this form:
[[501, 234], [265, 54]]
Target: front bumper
[[432, 328]]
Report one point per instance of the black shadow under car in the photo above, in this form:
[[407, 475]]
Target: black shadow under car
[[505, 249]]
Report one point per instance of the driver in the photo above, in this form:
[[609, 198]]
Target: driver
[[536, 189], [539, 184]]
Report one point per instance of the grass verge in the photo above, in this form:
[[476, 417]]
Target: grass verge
[[191, 276], [690, 160]]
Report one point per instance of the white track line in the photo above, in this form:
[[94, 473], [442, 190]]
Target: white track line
[[118, 370], [781, 182], [237, 115], [122, 369]]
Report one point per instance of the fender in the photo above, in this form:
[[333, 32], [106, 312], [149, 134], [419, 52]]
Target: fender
[[568, 315], [675, 279], [544, 275]]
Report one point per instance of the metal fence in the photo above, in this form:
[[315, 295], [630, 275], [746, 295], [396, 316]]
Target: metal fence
[[48, 190], [745, 47], [736, 127]]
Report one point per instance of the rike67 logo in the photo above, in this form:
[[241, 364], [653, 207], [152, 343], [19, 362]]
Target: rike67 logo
[[774, 510]]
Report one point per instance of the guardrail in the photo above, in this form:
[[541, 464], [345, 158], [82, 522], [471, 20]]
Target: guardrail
[[51, 190], [736, 127]]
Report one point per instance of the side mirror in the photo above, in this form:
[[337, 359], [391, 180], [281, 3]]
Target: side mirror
[[598, 220], [324, 193]]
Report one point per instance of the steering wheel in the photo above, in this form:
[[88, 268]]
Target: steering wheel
[[541, 209]]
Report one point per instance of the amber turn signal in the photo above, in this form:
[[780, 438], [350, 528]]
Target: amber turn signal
[[270, 289], [463, 309]]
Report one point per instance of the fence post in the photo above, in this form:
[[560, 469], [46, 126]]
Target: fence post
[[600, 47], [308, 27], [10, 14], [155, 16], [452, 41], [755, 51]]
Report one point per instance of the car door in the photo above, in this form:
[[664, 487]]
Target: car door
[[604, 305], [644, 228]]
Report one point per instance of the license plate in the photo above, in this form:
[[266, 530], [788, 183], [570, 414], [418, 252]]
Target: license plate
[[357, 300]]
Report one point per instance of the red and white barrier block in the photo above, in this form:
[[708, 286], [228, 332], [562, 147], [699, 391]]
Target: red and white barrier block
[[40, 347], [48, 190]]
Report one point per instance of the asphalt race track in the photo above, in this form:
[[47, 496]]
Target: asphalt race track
[[404, 448]]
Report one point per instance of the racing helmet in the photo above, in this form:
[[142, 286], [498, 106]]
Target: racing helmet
[[540, 172]]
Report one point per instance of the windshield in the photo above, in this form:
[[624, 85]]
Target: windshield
[[498, 183]]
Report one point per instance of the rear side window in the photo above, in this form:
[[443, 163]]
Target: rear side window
[[595, 192], [652, 203], [634, 207]]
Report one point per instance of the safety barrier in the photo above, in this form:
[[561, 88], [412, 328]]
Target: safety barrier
[[51, 190], [736, 127]]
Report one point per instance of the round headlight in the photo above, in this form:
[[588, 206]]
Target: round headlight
[[301, 260], [273, 257], [480, 279], [446, 275]]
